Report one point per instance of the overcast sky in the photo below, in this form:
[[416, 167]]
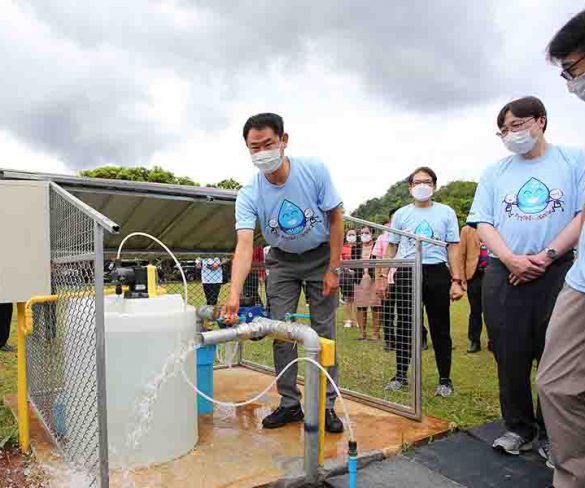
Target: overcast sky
[[374, 88]]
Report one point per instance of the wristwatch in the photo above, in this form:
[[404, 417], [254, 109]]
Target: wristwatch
[[335, 271], [459, 281], [551, 253]]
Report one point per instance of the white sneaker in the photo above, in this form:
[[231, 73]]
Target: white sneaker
[[545, 452], [348, 324], [512, 443]]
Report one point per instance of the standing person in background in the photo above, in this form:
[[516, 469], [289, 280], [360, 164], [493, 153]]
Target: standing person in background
[[365, 288], [441, 281], [385, 278], [475, 259], [525, 209], [5, 319], [211, 277], [347, 280], [561, 374]]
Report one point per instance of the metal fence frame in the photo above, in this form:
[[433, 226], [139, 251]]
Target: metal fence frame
[[78, 424], [413, 410]]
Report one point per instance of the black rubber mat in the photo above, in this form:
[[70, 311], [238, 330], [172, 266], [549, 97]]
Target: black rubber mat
[[470, 461]]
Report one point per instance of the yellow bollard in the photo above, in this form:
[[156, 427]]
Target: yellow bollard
[[23, 428], [327, 359]]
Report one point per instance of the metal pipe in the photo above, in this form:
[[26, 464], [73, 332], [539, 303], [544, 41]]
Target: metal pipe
[[23, 425], [288, 331]]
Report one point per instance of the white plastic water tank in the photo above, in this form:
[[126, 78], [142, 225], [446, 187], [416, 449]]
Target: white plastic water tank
[[141, 335]]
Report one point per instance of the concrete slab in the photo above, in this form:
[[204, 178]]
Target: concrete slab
[[397, 472], [234, 451]]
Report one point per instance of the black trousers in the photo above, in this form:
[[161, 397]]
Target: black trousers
[[251, 286], [388, 317], [211, 291], [517, 318], [474, 286], [5, 318], [436, 287]]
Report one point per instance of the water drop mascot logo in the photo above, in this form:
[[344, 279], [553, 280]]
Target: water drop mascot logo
[[534, 197]]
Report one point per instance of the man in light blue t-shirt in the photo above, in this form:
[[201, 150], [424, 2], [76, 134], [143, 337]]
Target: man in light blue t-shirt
[[441, 283], [300, 216], [561, 373], [525, 210]]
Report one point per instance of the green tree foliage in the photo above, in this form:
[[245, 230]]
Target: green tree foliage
[[457, 194], [138, 173], [228, 184]]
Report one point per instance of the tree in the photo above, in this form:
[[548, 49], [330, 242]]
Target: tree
[[138, 173], [228, 184], [457, 194]]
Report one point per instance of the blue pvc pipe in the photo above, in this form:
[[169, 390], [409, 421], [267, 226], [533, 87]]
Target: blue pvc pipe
[[352, 471], [289, 316]]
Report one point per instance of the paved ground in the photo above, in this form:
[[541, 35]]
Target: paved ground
[[463, 459]]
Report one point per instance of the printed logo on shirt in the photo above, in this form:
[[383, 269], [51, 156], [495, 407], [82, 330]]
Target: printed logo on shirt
[[424, 229], [534, 201], [292, 221]]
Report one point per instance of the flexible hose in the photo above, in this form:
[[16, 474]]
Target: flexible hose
[[166, 249], [349, 434]]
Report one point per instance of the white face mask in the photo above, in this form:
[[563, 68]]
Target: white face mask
[[577, 86], [351, 239], [422, 192], [520, 142], [366, 237], [267, 161]]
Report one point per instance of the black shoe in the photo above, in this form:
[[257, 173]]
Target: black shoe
[[333, 423], [425, 343], [282, 416], [474, 346]]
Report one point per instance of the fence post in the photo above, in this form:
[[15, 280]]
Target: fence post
[[100, 348]]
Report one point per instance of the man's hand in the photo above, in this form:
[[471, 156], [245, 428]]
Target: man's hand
[[524, 268], [330, 283], [456, 292], [382, 287], [229, 312]]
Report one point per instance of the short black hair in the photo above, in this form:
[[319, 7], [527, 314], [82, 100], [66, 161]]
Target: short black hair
[[261, 121], [423, 169], [523, 107], [569, 39]]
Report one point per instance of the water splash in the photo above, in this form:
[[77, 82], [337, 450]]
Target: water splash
[[142, 411]]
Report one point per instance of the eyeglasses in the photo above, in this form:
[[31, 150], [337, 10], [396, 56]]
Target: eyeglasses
[[566, 73], [422, 182], [514, 127]]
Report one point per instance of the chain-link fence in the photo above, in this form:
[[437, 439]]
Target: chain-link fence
[[65, 352], [378, 325]]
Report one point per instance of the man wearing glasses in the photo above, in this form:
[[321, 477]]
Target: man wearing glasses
[[526, 212], [561, 374]]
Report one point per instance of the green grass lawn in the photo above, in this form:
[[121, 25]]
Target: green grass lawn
[[364, 367]]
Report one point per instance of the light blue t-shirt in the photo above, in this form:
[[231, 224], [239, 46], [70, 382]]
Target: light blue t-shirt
[[576, 275], [208, 274], [293, 217], [437, 222], [529, 202]]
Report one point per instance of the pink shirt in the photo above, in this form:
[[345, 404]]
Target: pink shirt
[[380, 249]]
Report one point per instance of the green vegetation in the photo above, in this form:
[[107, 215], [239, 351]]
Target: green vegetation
[[457, 194], [154, 175]]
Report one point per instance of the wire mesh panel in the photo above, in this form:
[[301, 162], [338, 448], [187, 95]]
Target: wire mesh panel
[[62, 351], [377, 325]]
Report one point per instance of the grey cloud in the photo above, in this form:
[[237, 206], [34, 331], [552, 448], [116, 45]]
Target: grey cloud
[[80, 72]]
